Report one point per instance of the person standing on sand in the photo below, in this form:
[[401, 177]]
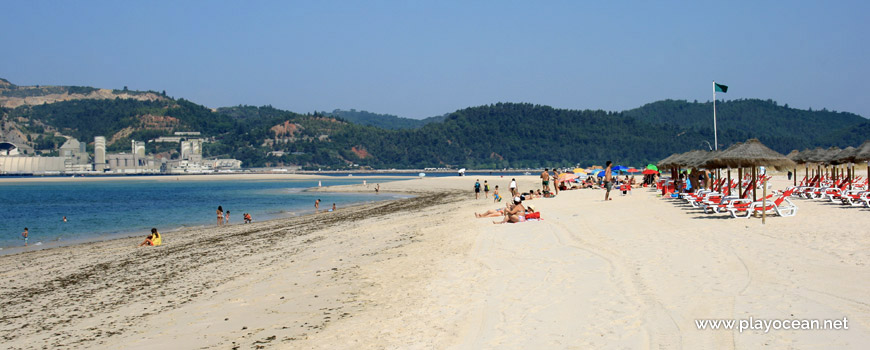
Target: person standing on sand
[[555, 180], [495, 196], [25, 234], [545, 180], [227, 217], [220, 215], [513, 187], [477, 189], [485, 189], [317, 206], [608, 180], [378, 188]]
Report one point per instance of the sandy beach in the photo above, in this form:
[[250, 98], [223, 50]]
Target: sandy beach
[[424, 273]]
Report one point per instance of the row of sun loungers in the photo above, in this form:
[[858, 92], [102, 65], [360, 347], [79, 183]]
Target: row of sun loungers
[[720, 199], [853, 193]]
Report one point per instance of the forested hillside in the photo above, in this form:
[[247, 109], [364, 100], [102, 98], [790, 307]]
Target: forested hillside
[[500, 135], [383, 121], [780, 127]]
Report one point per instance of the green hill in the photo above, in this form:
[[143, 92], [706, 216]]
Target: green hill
[[501, 135], [383, 121], [779, 127]]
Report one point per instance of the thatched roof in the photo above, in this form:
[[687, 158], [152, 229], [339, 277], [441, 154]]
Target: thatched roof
[[862, 153], [703, 159], [829, 154], [800, 157], [665, 163], [691, 158], [793, 155], [817, 155], [846, 155], [751, 153]]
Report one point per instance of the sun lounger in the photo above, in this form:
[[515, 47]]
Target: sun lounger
[[781, 206]]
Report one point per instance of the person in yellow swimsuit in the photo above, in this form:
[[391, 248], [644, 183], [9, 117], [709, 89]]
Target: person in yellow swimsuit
[[154, 239]]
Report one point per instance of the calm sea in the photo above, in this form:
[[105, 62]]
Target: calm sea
[[107, 209]]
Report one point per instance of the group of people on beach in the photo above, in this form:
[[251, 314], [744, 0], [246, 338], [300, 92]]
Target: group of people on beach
[[515, 211], [317, 205]]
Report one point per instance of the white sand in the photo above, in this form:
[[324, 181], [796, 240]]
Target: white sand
[[635, 272]]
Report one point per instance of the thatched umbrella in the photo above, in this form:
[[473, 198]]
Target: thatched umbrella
[[816, 156], [705, 159], [753, 153], [862, 154], [793, 155], [667, 162], [846, 156]]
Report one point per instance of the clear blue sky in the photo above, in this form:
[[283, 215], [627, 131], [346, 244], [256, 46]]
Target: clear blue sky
[[418, 59]]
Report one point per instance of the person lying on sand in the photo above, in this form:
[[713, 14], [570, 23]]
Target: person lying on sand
[[495, 212], [153, 239], [515, 214]]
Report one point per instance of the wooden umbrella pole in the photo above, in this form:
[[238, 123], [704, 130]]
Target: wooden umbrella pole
[[754, 185], [729, 181], [740, 181], [763, 200], [851, 171]]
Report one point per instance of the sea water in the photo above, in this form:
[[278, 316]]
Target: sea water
[[106, 209]]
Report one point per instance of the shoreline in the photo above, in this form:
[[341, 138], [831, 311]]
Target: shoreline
[[107, 271], [423, 272], [169, 177], [107, 237]]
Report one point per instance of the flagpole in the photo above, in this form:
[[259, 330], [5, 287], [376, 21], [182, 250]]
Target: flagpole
[[715, 134]]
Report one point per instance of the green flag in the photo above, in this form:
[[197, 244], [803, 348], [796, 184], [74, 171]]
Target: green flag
[[721, 88]]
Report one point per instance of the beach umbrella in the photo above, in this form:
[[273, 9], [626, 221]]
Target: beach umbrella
[[828, 156], [619, 168], [753, 153], [793, 155], [650, 172], [579, 171], [846, 155], [632, 170], [863, 154], [652, 167], [599, 173], [802, 157], [667, 162]]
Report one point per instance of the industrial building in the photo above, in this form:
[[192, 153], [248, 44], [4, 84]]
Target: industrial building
[[74, 159]]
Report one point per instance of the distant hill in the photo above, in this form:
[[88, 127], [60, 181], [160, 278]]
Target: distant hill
[[12, 96], [384, 121], [501, 135], [779, 127]]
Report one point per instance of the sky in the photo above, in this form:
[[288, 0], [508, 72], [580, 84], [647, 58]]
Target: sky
[[418, 59]]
